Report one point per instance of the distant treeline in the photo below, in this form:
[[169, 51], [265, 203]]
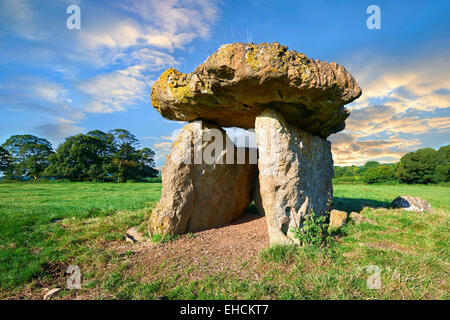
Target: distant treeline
[[422, 166], [95, 156], [115, 156]]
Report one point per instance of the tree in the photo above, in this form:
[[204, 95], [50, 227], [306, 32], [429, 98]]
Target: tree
[[367, 166], [5, 161], [125, 159], [146, 158], [107, 138], [123, 138], [96, 155], [444, 152], [379, 174], [79, 157], [442, 171], [29, 154], [419, 166]]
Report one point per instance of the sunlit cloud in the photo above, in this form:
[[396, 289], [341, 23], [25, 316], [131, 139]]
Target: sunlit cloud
[[347, 150], [378, 119], [405, 84], [401, 98]]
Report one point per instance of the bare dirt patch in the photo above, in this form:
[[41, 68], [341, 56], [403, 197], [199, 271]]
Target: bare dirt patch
[[233, 248]]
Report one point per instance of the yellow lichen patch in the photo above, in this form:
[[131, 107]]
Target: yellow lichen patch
[[159, 223], [181, 93], [173, 81], [252, 58]]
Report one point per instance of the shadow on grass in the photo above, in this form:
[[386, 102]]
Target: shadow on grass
[[357, 204]]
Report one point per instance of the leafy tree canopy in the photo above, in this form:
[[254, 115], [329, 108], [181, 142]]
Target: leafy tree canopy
[[102, 156], [419, 166], [79, 157], [29, 154], [5, 161]]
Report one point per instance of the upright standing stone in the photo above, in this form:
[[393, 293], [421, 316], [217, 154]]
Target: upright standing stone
[[295, 174], [199, 193]]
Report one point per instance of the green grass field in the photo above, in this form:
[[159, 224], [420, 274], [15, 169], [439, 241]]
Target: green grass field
[[46, 226]]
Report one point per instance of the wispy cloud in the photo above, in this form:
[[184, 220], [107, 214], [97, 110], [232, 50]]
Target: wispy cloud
[[20, 16], [114, 91], [34, 88], [373, 120], [347, 150], [59, 130], [420, 82], [162, 149], [132, 40], [401, 100]]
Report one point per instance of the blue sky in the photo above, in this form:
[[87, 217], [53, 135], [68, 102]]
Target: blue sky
[[56, 82]]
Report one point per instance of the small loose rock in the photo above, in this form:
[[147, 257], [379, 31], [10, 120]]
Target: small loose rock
[[51, 293], [337, 219]]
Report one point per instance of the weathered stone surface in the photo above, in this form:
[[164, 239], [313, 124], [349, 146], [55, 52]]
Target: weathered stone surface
[[295, 173], [359, 218], [237, 82], [337, 220], [410, 203], [201, 196]]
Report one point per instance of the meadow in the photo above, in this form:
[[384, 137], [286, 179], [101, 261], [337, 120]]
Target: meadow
[[45, 227]]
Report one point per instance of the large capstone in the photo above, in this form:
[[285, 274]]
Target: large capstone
[[205, 184], [295, 174], [237, 82]]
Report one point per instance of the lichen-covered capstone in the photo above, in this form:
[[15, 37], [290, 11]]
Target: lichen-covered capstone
[[237, 82]]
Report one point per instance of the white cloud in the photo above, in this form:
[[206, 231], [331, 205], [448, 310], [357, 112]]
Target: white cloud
[[114, 91], [130, 37], [19, 16], [131, 40], [347, 150], [35, 88], [162, 149], [172, 23], [59, 130], [409, 83], [402, 99], [383, 119]]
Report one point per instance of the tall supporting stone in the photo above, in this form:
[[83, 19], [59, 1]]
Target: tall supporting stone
[[203, 187], [295, 174]]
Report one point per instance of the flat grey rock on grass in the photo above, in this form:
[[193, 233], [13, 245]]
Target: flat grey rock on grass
[[409, 203]]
